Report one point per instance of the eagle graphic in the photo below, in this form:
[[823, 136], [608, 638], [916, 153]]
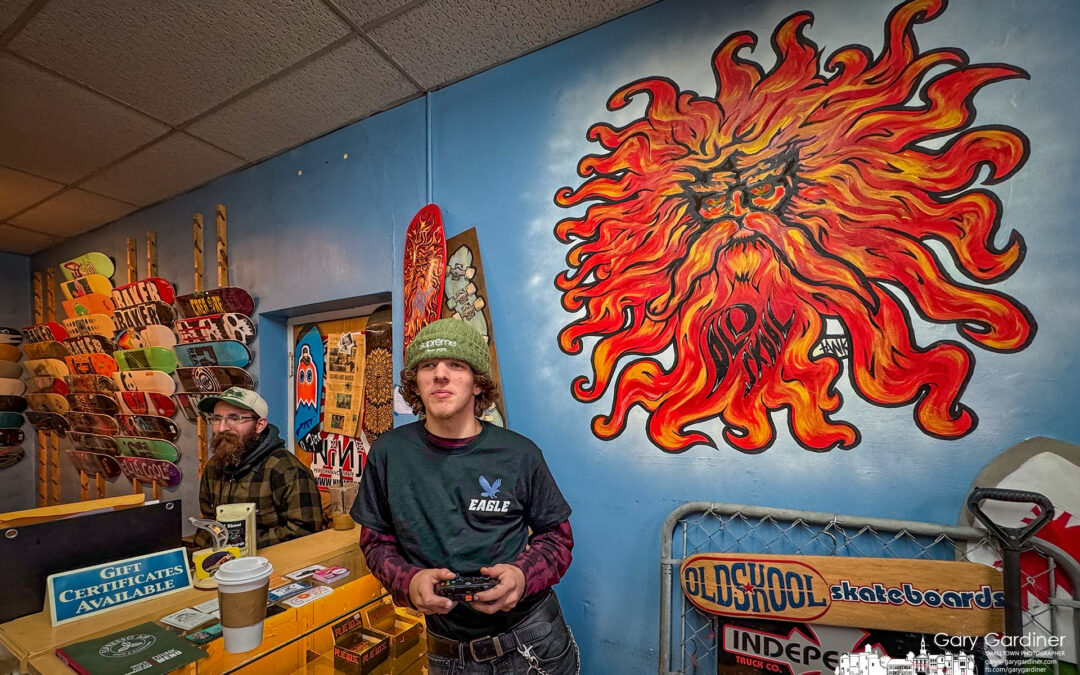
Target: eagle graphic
[[491, 490]]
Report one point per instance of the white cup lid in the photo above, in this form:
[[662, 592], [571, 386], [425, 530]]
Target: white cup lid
[[243, 569]]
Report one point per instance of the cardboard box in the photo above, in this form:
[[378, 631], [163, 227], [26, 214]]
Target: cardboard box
[[403, 632], [358, 650]]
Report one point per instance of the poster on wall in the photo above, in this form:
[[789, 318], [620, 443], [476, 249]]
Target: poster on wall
[[344, 406], [338, 459]]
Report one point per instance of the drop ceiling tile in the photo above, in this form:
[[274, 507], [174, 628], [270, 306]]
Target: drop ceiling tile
[[17, 240], [173, 165], [443, 41], [19, 190], [174, 60], [72, 212], [10, 10], [366, 11], [343, 85], [52, 128]]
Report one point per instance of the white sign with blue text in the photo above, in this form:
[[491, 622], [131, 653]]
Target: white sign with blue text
[[91, 590]]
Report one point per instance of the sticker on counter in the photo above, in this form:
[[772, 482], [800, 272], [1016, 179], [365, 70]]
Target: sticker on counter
[[281, 592], [301, 599], [186, 618], [305, 572]]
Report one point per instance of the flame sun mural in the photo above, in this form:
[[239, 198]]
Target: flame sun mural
[[768, 238]]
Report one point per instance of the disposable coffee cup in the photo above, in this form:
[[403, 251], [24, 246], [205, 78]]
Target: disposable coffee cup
[[242, 587]]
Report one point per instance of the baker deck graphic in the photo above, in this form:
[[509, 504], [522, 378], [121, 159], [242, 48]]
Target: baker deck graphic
[[151, 289], [41, 332], [213, 378], [145, 403], [87, 264], [146, 358], [148, 426], [215, 328], [143, 315], [227, 353], [90, 344], [94, 464]]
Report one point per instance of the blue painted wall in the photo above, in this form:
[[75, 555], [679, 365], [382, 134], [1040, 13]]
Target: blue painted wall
[[505, 141], [18, 482]]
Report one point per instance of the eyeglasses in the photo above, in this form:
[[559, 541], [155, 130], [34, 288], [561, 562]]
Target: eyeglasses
[[229, 420]]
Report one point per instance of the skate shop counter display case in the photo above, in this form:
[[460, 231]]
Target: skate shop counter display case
[[294, 638]]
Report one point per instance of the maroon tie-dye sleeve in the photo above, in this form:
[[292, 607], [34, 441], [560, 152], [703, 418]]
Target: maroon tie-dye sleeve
[[384, 559], [547, 557]]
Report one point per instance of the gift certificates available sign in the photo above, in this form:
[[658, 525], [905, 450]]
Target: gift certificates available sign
[[80, 593], [927, 596]]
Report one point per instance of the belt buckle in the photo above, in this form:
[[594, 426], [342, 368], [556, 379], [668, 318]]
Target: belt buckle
[[494, 640]]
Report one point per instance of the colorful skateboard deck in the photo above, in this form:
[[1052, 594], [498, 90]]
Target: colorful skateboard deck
[[90, 384], [145, 403], [151, 336], [106, 445], [91, 364], [94, 464], [188, 403], [143, 315], [43, 332], [91, 284], [91, 324], [102, 404], [94, 303], [9, 386], [47, 403], [148, 290], [90, 344], [144, 380], [147, 358], [46, 385], [215, 328], [309, 368], [9, 353], [92, 423], [379, 374], [151, 471], [213, 378], [227, 353], [149, 426], [12, 404], [54, 367], [10, 369], [50, 349], [47, 421], [425, 265], [10, 336], [9, 437], [216, 301], [152, 448], [87, 264], [11, 420]]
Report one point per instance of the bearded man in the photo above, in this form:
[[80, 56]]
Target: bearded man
[[249, 463]]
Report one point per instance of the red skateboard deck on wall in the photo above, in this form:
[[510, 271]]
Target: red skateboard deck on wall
[[44, 332], [46, 384], [215, 328], [225, 300], [145, 403], [148, 290], [425, 267]]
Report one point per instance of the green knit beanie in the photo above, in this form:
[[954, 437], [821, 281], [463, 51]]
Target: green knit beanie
[[449, 339]]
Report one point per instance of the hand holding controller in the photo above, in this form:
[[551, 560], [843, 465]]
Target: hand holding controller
[[462, 589]]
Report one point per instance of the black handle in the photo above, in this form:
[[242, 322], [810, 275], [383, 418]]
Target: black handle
[[1011, 538]]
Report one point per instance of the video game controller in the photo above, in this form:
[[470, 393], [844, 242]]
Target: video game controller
[[462, 589]]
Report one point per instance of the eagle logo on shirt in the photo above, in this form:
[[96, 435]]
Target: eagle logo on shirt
[[490, 490]]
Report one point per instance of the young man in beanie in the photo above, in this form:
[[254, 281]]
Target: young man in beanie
[[249, 463], [452, 495]]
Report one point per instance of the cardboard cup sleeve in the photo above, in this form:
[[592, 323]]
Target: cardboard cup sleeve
[[247, 608]]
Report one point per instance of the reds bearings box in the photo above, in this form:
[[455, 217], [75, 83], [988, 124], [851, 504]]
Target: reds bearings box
[[358, 650], [402, 630]]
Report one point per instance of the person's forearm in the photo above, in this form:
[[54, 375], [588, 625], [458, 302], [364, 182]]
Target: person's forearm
[[385, 560], [547, 558]]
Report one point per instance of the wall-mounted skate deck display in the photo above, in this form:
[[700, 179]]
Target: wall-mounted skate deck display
[[9, 386], [91, 324], [50, 349], [93, 284], [12, 404], [92, 423], [91, 364], [151, 289], [103, 404], [145, 403], [47, 421], [88, 304], [150, 336], [54, 367], [10, 369], [11, 436], [213, 378], [227, 353], [152, 448], [215, 328], [43, 332], [147, 358], [46, 384], [90, 344], [148, 426], [9, 353], [424, 269], [146, 470], [94, 464], [47, 403], [105, 445], [379, 378], [217, 301], [11, 420], [90, 384], [143, 315], [85, 265], [188, 403], [144, 380], [10, 336]]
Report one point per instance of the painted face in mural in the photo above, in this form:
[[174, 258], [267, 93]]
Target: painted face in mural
[[448, 389], [763, 239]]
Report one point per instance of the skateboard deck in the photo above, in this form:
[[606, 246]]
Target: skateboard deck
[[12, 404], [148, 290], [10, 369], [10, 455], [87, 264], [144, 380], [43, 332], [47, 421], [310, 364], [226, 353], [89, 384], [10, 336], [91, 364], [9, 353], [54, 367], [151, 336], [94, 303], [151, 471], [425, 265], [143, 315], [379, 375], [152, 448], [106, 445], [9, 386], [9, 437], [90, 344], [94, 464], [91, 284], [216, 301], [145, 403], [216, 327], [213, 378], [91, 324], [46, 350], [11, 420], [102, 404], [47, 403], [147, 358], [188, 403], [92, 423], [148, 426], [46, 385]]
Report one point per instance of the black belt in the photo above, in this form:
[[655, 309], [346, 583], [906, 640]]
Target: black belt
[[535, 626]]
